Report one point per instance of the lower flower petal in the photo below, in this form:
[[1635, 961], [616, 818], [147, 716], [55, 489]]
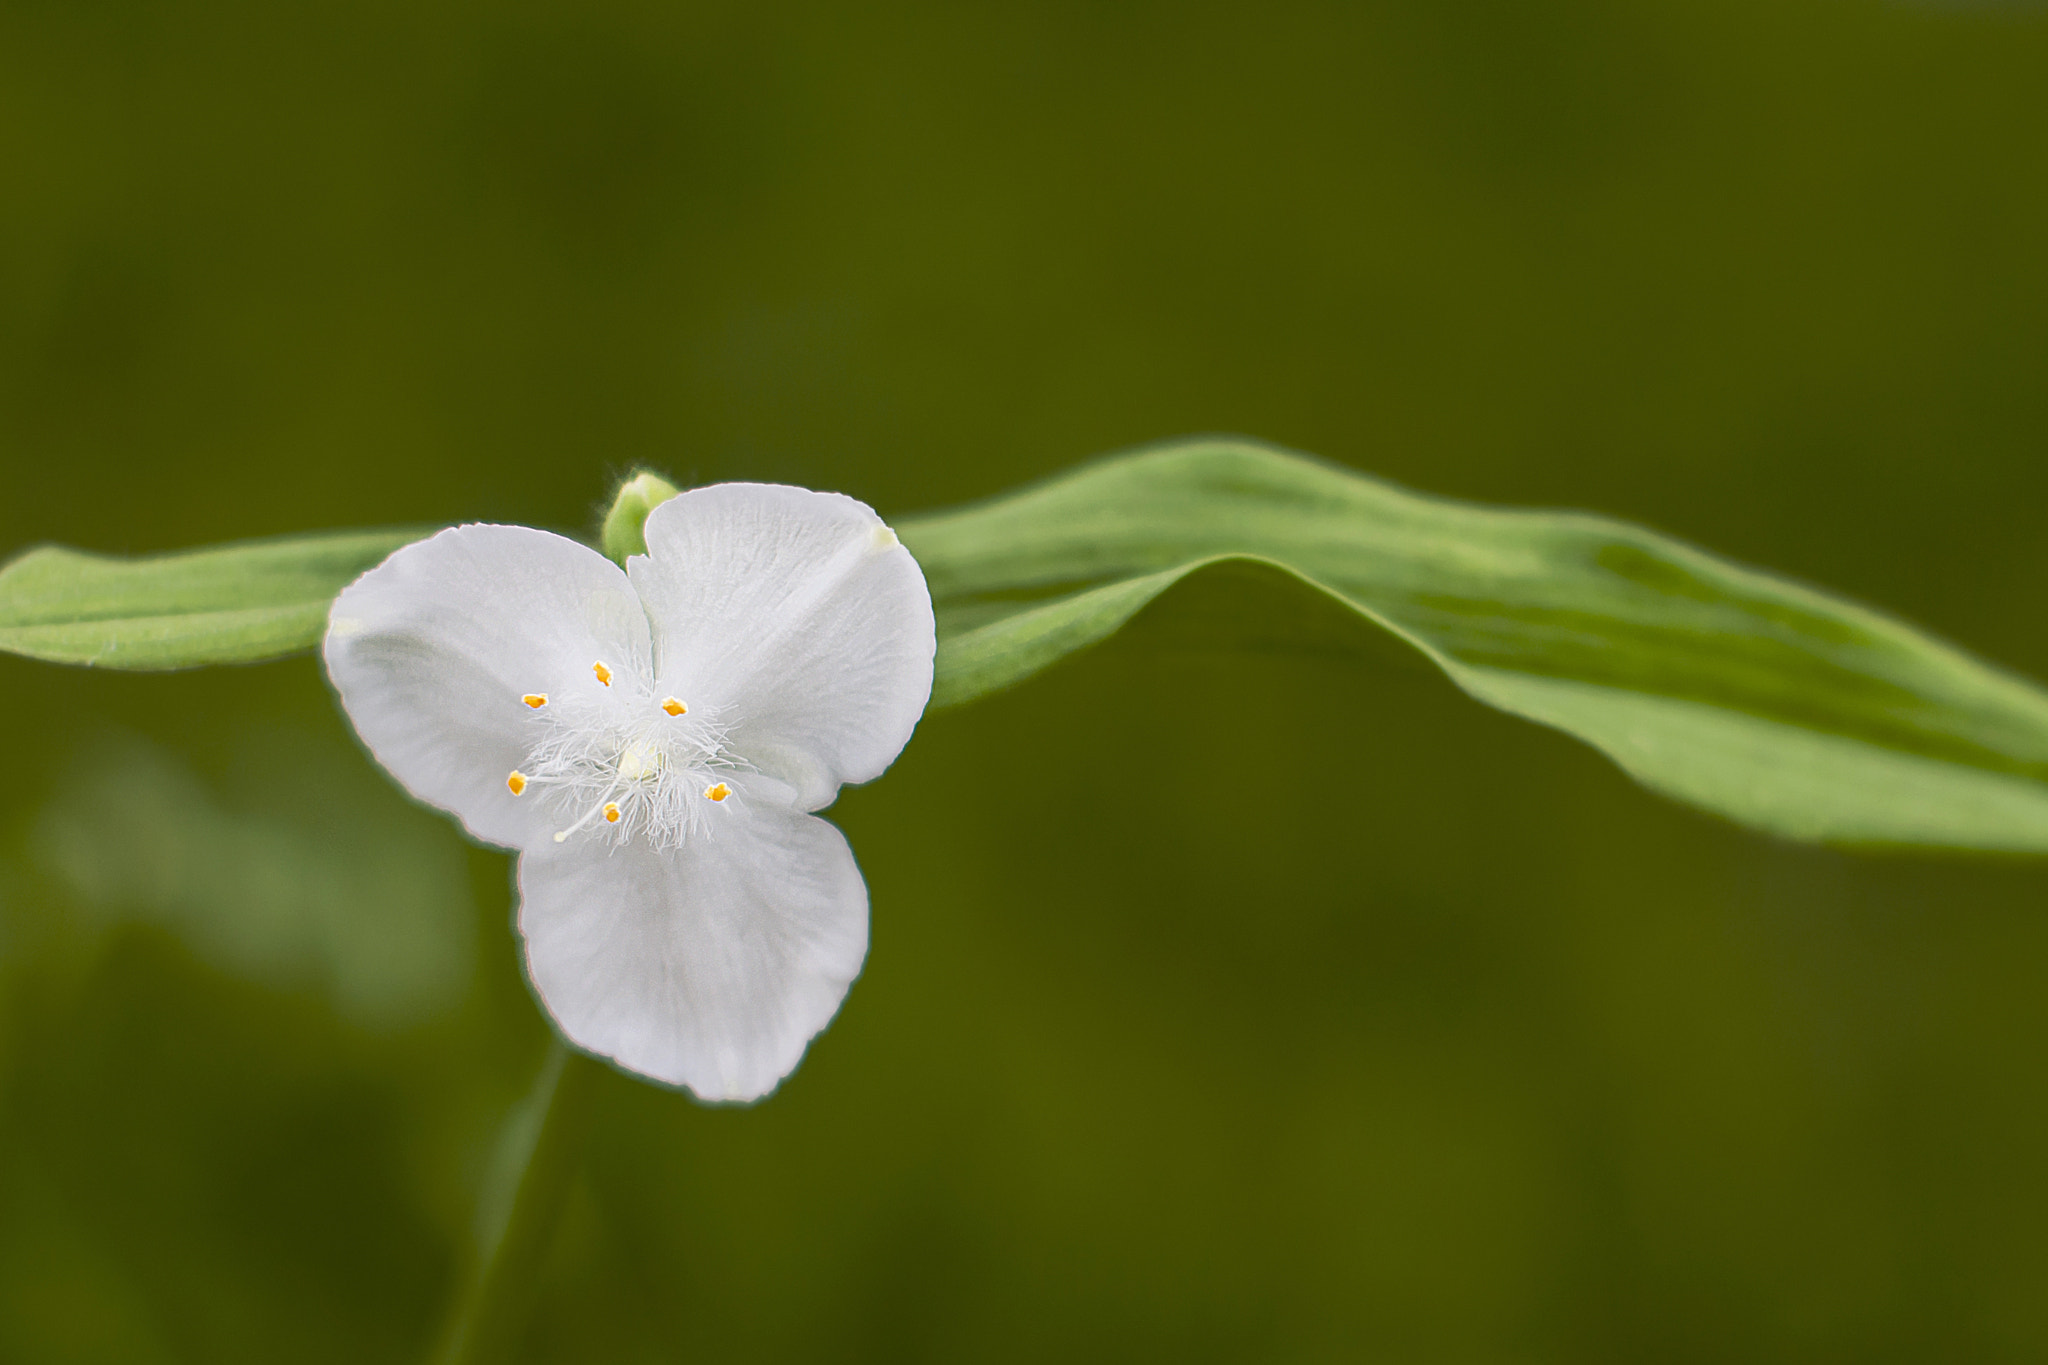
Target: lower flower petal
[[711, 965]]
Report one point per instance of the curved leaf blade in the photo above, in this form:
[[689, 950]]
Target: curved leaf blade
[[1764, 701], [233, 604]]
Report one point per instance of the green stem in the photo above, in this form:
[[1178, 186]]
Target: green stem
[[521, 1206]]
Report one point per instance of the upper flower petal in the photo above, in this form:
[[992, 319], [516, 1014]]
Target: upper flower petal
[[798, 615], [433, 650], [710, 965]]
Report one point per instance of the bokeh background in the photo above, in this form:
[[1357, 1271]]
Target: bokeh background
[[1219, 1007]]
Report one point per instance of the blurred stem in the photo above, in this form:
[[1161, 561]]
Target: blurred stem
[[539, 1151]]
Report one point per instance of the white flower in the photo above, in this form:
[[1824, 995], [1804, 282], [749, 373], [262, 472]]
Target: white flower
[[651, 741]]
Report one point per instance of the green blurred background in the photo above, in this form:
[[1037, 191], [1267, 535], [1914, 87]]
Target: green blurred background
[[1219, 1007]]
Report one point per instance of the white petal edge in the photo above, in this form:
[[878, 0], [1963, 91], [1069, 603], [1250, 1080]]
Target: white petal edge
[[432, 650], [800, 615], [710, 966]]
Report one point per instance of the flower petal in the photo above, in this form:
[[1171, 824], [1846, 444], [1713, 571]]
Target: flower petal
[[433, 649], [801, 617], [710, 965]]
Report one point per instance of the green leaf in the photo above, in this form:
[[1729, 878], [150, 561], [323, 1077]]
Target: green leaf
[[1767, 702], [302, 870], [234, 604]]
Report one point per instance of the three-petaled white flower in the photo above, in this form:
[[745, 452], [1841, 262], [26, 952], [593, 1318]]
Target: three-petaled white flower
[[652, 742]]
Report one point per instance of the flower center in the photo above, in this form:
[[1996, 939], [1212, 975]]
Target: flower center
[[624, 763]]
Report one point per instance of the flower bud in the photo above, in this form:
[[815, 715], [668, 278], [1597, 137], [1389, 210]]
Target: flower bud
[[622, 533]]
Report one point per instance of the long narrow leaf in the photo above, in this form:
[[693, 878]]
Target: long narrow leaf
[[1739, 692], [233, 604], [1767, 702]]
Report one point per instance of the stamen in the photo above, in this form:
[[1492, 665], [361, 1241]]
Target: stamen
[[604, 675], [674, 707], [609, 810], [516, 782], [535, 699], [718, 791]]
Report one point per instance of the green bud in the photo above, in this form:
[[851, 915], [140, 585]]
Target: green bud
[[624, 531]]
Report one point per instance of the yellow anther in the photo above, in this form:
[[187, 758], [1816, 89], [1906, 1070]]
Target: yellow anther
[[674, 707], [515, 782], [604, 675], [535, 699], [611, 812], [883, 538], [718, 791]]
